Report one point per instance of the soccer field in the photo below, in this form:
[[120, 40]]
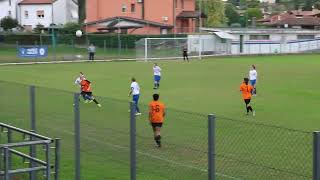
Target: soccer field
[[288, 96]]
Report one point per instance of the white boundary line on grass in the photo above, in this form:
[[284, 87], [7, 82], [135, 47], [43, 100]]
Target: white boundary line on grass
[[109, 60], [150, 155], [86, 61], [142, 59]]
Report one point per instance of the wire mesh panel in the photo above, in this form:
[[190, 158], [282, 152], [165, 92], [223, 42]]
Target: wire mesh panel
[[66, 47], [55, 118], [183, 153], [14, 105], [104, 134], [15, 111], [244, 149], [247, 150]]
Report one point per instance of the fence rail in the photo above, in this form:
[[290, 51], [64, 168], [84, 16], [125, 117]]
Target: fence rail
[[14, 148]]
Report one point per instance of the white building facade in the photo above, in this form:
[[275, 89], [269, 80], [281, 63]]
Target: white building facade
[[30, 13], [65, 11], [264, 41], [268, 1], [9, 8]]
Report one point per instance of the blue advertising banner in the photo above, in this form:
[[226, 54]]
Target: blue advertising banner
[[33, 51]]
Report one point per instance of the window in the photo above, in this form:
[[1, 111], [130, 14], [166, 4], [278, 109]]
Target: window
[[9, 13], [124, 8], [9, 2], [305, 36], [133, 7], [40, 13], [26, 14], [182, 4], [259, 37]]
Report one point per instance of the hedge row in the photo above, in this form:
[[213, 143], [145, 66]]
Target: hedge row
[[101, 40]]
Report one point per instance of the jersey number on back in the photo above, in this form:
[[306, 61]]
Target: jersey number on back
[[156, 109]]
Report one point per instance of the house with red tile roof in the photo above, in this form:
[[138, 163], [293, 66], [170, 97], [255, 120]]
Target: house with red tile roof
[[294, 19], [142, 16], [30, 13]]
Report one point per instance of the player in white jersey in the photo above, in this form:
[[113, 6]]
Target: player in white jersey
[[135, 91], [156, 75], [78, 81], [253, 75]]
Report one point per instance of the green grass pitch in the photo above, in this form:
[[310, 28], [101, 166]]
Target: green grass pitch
[[288, 96]]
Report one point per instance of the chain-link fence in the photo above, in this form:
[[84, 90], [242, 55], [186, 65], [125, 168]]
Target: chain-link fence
[[100, 143], [68, 47], [249, 150], [23, 48]]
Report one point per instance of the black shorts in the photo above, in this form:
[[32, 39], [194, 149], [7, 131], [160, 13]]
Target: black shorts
[[156, 125], [247, 101], [86, 93], [89, 93]]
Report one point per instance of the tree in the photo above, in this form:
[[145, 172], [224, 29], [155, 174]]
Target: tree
[[243, 4], [231, 14], [82, 10], [308, 5], [253, 3], [297, 4], [38, 28], [253, 13], [215, 12], [317, 5], [71, 28], [8, 23], [234, 2]]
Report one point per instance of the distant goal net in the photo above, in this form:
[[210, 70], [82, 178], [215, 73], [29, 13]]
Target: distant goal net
[[198, 46]]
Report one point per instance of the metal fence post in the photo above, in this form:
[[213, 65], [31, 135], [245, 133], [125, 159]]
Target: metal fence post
[[6, 163], [33, 108], [132, 141], [316, 155], [32, 174], [9, 135], [41, 43], [104, 45], [48, 169], [57, 159], [32, 153], [146, 49], [77, 135], [200, 47], [211, 147]]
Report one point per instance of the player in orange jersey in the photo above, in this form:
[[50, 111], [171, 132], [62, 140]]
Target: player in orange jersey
[[86, 91], [156, 117], [246, 90]]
